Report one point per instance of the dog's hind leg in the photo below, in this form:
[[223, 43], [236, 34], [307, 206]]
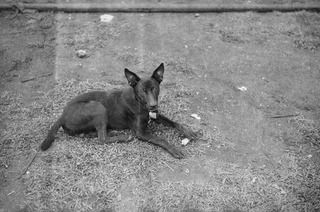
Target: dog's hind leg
[[84, 117], [101, 123], [102, 132]]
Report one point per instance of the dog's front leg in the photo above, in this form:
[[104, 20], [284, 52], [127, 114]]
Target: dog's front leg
[[162, 143], [144, 134], [168, 122]]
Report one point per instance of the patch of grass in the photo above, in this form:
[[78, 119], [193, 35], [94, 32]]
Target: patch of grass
[[309, 131], [309, 37], [180, 65], [78, 174]]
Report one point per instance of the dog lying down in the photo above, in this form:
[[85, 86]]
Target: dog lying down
[[128, 108]]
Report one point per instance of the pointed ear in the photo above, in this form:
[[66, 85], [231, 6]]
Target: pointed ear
[[158, 73], [132, 78]]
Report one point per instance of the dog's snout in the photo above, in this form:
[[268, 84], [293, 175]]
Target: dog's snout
[[152, 102]]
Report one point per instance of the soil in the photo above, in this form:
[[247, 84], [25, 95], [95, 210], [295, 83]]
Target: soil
[[273, 56]]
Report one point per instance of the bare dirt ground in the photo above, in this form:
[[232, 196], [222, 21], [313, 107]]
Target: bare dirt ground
[[259, 149]]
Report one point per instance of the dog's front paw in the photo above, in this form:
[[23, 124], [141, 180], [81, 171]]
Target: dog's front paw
[[176, 153], [190, 134]]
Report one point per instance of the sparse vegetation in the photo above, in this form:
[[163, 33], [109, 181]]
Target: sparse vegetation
[[245, 160], [78, 174]]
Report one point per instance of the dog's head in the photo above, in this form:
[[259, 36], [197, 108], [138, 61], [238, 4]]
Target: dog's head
[[146, 90]]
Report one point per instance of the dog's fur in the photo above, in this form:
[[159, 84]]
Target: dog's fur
[[118, 109]]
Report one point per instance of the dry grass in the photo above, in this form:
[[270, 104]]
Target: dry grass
[[309, 36], [78, 174]]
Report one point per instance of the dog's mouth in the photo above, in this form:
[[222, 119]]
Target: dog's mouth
[[153, 115], [153, 112], [153, 109]]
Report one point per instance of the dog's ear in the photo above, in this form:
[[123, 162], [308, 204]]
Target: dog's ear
[[132, 78], [158, 73]]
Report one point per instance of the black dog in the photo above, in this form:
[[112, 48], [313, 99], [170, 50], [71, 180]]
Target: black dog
[[130, 108]]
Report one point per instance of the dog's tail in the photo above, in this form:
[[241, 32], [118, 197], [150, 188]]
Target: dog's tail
[[51, 135]]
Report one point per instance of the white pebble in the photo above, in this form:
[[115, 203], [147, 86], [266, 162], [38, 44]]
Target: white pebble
[[106, 18], [185, 141], [81, 53], [196, 116], [243, 88]]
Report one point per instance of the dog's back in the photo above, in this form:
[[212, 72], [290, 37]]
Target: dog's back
[[117, 103]]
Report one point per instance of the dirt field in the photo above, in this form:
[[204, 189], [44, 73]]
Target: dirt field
[[252, 78]]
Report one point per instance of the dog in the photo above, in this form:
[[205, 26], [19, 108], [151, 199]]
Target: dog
[[128, 108]]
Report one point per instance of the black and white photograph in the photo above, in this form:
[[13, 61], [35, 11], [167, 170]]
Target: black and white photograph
[[159, 105]]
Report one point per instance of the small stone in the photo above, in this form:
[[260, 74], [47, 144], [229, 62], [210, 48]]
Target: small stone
[[106, 18], [254, 180], [243, 88], [196, 15], [196, 116], [185, 141], [81, 53]]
